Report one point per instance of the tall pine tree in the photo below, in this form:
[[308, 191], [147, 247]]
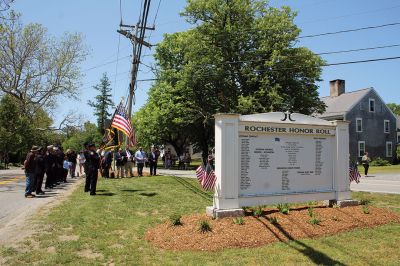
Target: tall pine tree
[[102, 102]]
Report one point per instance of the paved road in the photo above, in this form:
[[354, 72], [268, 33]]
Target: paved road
[[15, 208], [380, 183]]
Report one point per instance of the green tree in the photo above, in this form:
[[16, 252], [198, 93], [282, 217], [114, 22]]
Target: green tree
[[19, 132], [240, 57], [89, 133], [102, 103], [394, 107]]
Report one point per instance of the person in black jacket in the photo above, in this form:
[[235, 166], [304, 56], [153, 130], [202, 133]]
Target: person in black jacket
[[39, 171], [92, 166], [119, 163], [50, 163], [106, 163]]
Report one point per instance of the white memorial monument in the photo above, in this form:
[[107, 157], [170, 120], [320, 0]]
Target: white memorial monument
[[278, 157]]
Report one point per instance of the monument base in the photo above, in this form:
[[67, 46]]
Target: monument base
[[341, 203], [216, 213]]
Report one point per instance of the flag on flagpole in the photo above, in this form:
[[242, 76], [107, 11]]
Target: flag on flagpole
[[122, 122], [354, 174]]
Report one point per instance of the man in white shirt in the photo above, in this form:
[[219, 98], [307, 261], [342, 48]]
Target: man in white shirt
[[140, 157], [129, 159]]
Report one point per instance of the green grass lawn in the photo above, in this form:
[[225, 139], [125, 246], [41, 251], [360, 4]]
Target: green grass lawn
[[109, 228], [381, 169]]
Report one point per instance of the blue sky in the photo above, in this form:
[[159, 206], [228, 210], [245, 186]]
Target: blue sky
[[99, 20]]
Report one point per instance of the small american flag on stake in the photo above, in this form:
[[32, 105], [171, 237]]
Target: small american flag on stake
[[208, 182], [200, 173], [354, 174]]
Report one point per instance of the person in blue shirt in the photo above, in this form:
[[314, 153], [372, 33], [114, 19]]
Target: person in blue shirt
[[140, 157]]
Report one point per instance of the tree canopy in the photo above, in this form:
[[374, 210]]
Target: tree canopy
[[36, 68], [394, 107], [241, 56]]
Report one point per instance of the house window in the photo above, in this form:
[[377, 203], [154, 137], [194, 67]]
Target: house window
[[389, 149], [398, 138], [372, 105], [386, 126], [359, 127], [361, 148]]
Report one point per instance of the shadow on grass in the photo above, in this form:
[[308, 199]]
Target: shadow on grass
[[131, 190], [109, 194], [152, 194], [317, 257]]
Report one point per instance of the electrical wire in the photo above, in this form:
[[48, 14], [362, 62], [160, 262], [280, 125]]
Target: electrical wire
[[350, 30]]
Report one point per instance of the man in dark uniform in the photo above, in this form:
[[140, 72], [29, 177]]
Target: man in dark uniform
[[92, 167], [39, 171], [50, 167]]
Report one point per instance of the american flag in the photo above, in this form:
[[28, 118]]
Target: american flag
[[200, 173], [121, 122], [206, 177], [354, 175], [208, 182]]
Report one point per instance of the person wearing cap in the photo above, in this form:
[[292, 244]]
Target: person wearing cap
[[30, 167], [140, 157], [93, 165]]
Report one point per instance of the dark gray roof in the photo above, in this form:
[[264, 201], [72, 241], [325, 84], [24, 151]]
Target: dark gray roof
[[338, 106]]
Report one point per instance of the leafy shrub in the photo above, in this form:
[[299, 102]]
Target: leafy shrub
[[238, 220], [273, 220], [283, 208], [315, 220], [379, 162], [311, 211], [204, 226], [257, 212], [365, 209], [175, 219], [335, 206], [365, 202]]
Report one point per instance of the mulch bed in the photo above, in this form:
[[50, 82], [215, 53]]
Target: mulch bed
[[258, 231]]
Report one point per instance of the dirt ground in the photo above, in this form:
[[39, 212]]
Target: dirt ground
[[258, 231]]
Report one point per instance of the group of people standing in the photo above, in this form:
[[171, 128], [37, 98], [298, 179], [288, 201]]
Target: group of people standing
[[125, 161], [50, 161]]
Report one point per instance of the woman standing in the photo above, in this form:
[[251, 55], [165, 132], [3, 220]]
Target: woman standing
[[365, 160]]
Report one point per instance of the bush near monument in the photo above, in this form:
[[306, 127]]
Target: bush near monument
[[379, 162]]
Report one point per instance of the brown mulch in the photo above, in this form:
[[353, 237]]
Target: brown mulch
[[259, 231]]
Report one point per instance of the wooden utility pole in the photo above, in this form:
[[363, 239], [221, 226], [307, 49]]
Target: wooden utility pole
[[136, 35], [136, 42]]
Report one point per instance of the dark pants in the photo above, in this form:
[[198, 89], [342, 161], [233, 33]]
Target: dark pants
[[106, 172], [153, 168], [39, 182], [140, 168], [91, 181], [49, 179], [366, 167]]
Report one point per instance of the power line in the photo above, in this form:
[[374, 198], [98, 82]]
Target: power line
[[107, 63], [296, 67], [349, 30]]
